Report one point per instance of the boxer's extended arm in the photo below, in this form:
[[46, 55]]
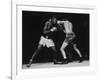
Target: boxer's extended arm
[[61, 25]]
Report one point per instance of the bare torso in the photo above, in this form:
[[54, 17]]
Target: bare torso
[[68, 27]]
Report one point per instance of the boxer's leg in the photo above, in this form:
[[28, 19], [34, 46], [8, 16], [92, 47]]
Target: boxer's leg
[[62, 49], [78, 52], [34, 54], [37, 51], [41, 43]]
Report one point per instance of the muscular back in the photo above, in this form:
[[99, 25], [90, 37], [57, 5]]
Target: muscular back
[[68, 27]]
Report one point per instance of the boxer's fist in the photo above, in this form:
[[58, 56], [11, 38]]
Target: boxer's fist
[[53, 29]]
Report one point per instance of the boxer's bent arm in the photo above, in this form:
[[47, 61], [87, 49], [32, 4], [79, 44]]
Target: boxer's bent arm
[[46, 28]]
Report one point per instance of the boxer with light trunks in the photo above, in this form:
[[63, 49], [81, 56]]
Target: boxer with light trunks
[[46, 40]]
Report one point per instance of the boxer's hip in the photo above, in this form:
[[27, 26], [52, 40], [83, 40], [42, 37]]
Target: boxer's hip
[[46, 42], [69, 37]]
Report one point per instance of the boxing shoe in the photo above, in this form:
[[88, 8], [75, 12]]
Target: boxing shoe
[[55, 61], [30, 62], [80, 60], [65, 61]]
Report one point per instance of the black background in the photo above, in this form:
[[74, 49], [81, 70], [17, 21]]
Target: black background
[[32, 27]]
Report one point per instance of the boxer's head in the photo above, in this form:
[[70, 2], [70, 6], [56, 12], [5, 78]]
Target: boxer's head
[[65, 19], [54, 20]]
